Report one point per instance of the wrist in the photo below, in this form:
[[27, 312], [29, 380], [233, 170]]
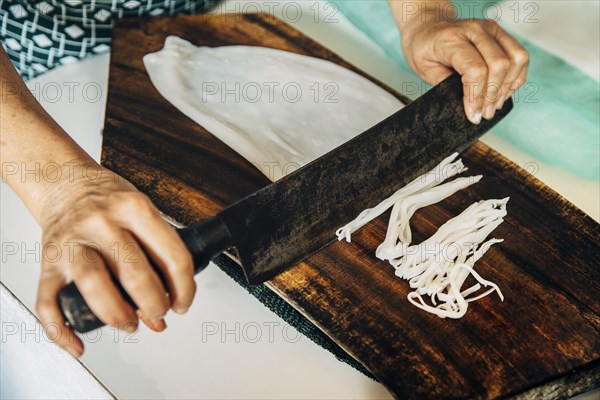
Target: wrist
[[43, 165], [64, 184], [414, 17], [45, 185], [40, 161]]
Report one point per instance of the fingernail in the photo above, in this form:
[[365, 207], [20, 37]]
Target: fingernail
[[489, 112], [476, 118], [157, 325], [131, 327], [160, 325], [180, 309]]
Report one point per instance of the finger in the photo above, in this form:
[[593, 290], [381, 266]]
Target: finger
[[519, 81], [519, 58], [130, 265], [498, 65], [468, 62], [436, 74], [50, 315], [166, 249], [511, 86], [97, 287], [156, 324]]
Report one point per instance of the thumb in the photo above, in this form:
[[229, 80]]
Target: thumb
[[436, 74]]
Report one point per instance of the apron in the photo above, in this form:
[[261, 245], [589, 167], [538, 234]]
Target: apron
[[39, 35]]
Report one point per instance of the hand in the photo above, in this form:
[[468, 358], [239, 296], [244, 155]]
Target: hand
[[493, 65], [95, 225]]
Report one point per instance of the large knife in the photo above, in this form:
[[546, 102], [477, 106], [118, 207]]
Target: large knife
[[296, 216]]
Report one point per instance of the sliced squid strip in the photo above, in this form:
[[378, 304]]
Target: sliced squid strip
[[399, 227], [470, 290], [438, 267], [476, 256], [483, 282], [443, 247], [447, 168]]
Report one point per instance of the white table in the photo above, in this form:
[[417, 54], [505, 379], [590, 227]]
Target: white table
[[228, 345]]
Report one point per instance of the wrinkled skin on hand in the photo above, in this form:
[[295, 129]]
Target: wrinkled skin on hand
[[98, 225], [493, 65]]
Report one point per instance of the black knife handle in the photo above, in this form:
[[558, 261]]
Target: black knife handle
[[205, 241]]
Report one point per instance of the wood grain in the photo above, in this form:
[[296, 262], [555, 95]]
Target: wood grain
[[546, 332]]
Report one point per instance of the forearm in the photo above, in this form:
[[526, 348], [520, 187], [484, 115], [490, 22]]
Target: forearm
[[32, 144]]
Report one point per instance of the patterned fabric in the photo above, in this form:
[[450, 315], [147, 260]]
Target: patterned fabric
[[39, 35]]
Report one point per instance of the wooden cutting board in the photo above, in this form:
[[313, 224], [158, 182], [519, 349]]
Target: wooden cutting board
[[543, 339]]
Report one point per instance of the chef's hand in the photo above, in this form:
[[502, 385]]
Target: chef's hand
[[94, 223], [98, 224], [493, 65]]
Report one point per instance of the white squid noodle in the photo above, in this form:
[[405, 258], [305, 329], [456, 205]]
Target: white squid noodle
[[438, 267], [444, 170]]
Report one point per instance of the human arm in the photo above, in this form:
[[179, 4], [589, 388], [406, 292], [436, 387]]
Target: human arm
[[95, 223], [493, 64]]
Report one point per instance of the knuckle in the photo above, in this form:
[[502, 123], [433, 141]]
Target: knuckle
[[182, 262], [475, 25], [499, 66], [136, 201], [98, 222], [117, 318], [477, 71], [490, 24], [453, 33], [134, 277], [86, 278], [521, 57]]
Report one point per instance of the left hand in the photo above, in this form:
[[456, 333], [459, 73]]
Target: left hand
[[493, 65]]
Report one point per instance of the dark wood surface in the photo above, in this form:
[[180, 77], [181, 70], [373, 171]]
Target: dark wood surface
[[546, 334]]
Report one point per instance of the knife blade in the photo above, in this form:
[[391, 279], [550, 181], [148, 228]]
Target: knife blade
[[296, 216]]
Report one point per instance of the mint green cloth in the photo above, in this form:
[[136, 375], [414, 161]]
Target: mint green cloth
[[556, 117]]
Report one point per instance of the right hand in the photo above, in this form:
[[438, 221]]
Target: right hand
[[105, 227]]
